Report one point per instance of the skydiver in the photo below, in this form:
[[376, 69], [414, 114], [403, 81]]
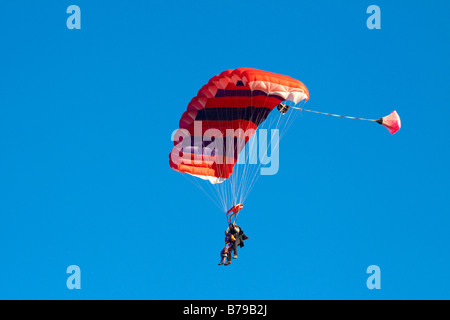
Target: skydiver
[[227, 249], [239, 235]]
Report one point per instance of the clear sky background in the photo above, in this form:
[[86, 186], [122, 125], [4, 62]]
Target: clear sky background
[[86, 118]]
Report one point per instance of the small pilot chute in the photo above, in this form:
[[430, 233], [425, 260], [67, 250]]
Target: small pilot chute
[[391, 122]]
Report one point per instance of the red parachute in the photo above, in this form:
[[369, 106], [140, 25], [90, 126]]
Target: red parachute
[[224, 115]]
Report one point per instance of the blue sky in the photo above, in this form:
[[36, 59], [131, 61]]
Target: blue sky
[[86, 118]]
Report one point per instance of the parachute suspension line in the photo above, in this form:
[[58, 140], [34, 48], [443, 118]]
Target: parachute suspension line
[[194, 181], [334, 115], [238, 187], [246, 170], [249, 169], [283, 123], [248, 181], [240, 175], [252, 178], [232, 180]]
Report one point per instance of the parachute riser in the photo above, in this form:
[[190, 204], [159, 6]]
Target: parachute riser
[[230, 219]]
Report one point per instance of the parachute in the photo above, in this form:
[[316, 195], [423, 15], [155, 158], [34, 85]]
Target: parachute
[[229, 108], [221, 122]]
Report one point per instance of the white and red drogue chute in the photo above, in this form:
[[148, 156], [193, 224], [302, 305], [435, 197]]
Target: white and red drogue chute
[[391, 122]]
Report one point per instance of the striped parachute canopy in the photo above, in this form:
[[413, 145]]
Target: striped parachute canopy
[[222, 118]]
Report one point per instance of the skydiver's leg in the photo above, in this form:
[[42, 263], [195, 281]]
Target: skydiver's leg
[[222, 256], [229, 251], [235, 244]]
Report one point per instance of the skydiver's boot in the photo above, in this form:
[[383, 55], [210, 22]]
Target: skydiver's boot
[[228, 262], [235, 256]]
